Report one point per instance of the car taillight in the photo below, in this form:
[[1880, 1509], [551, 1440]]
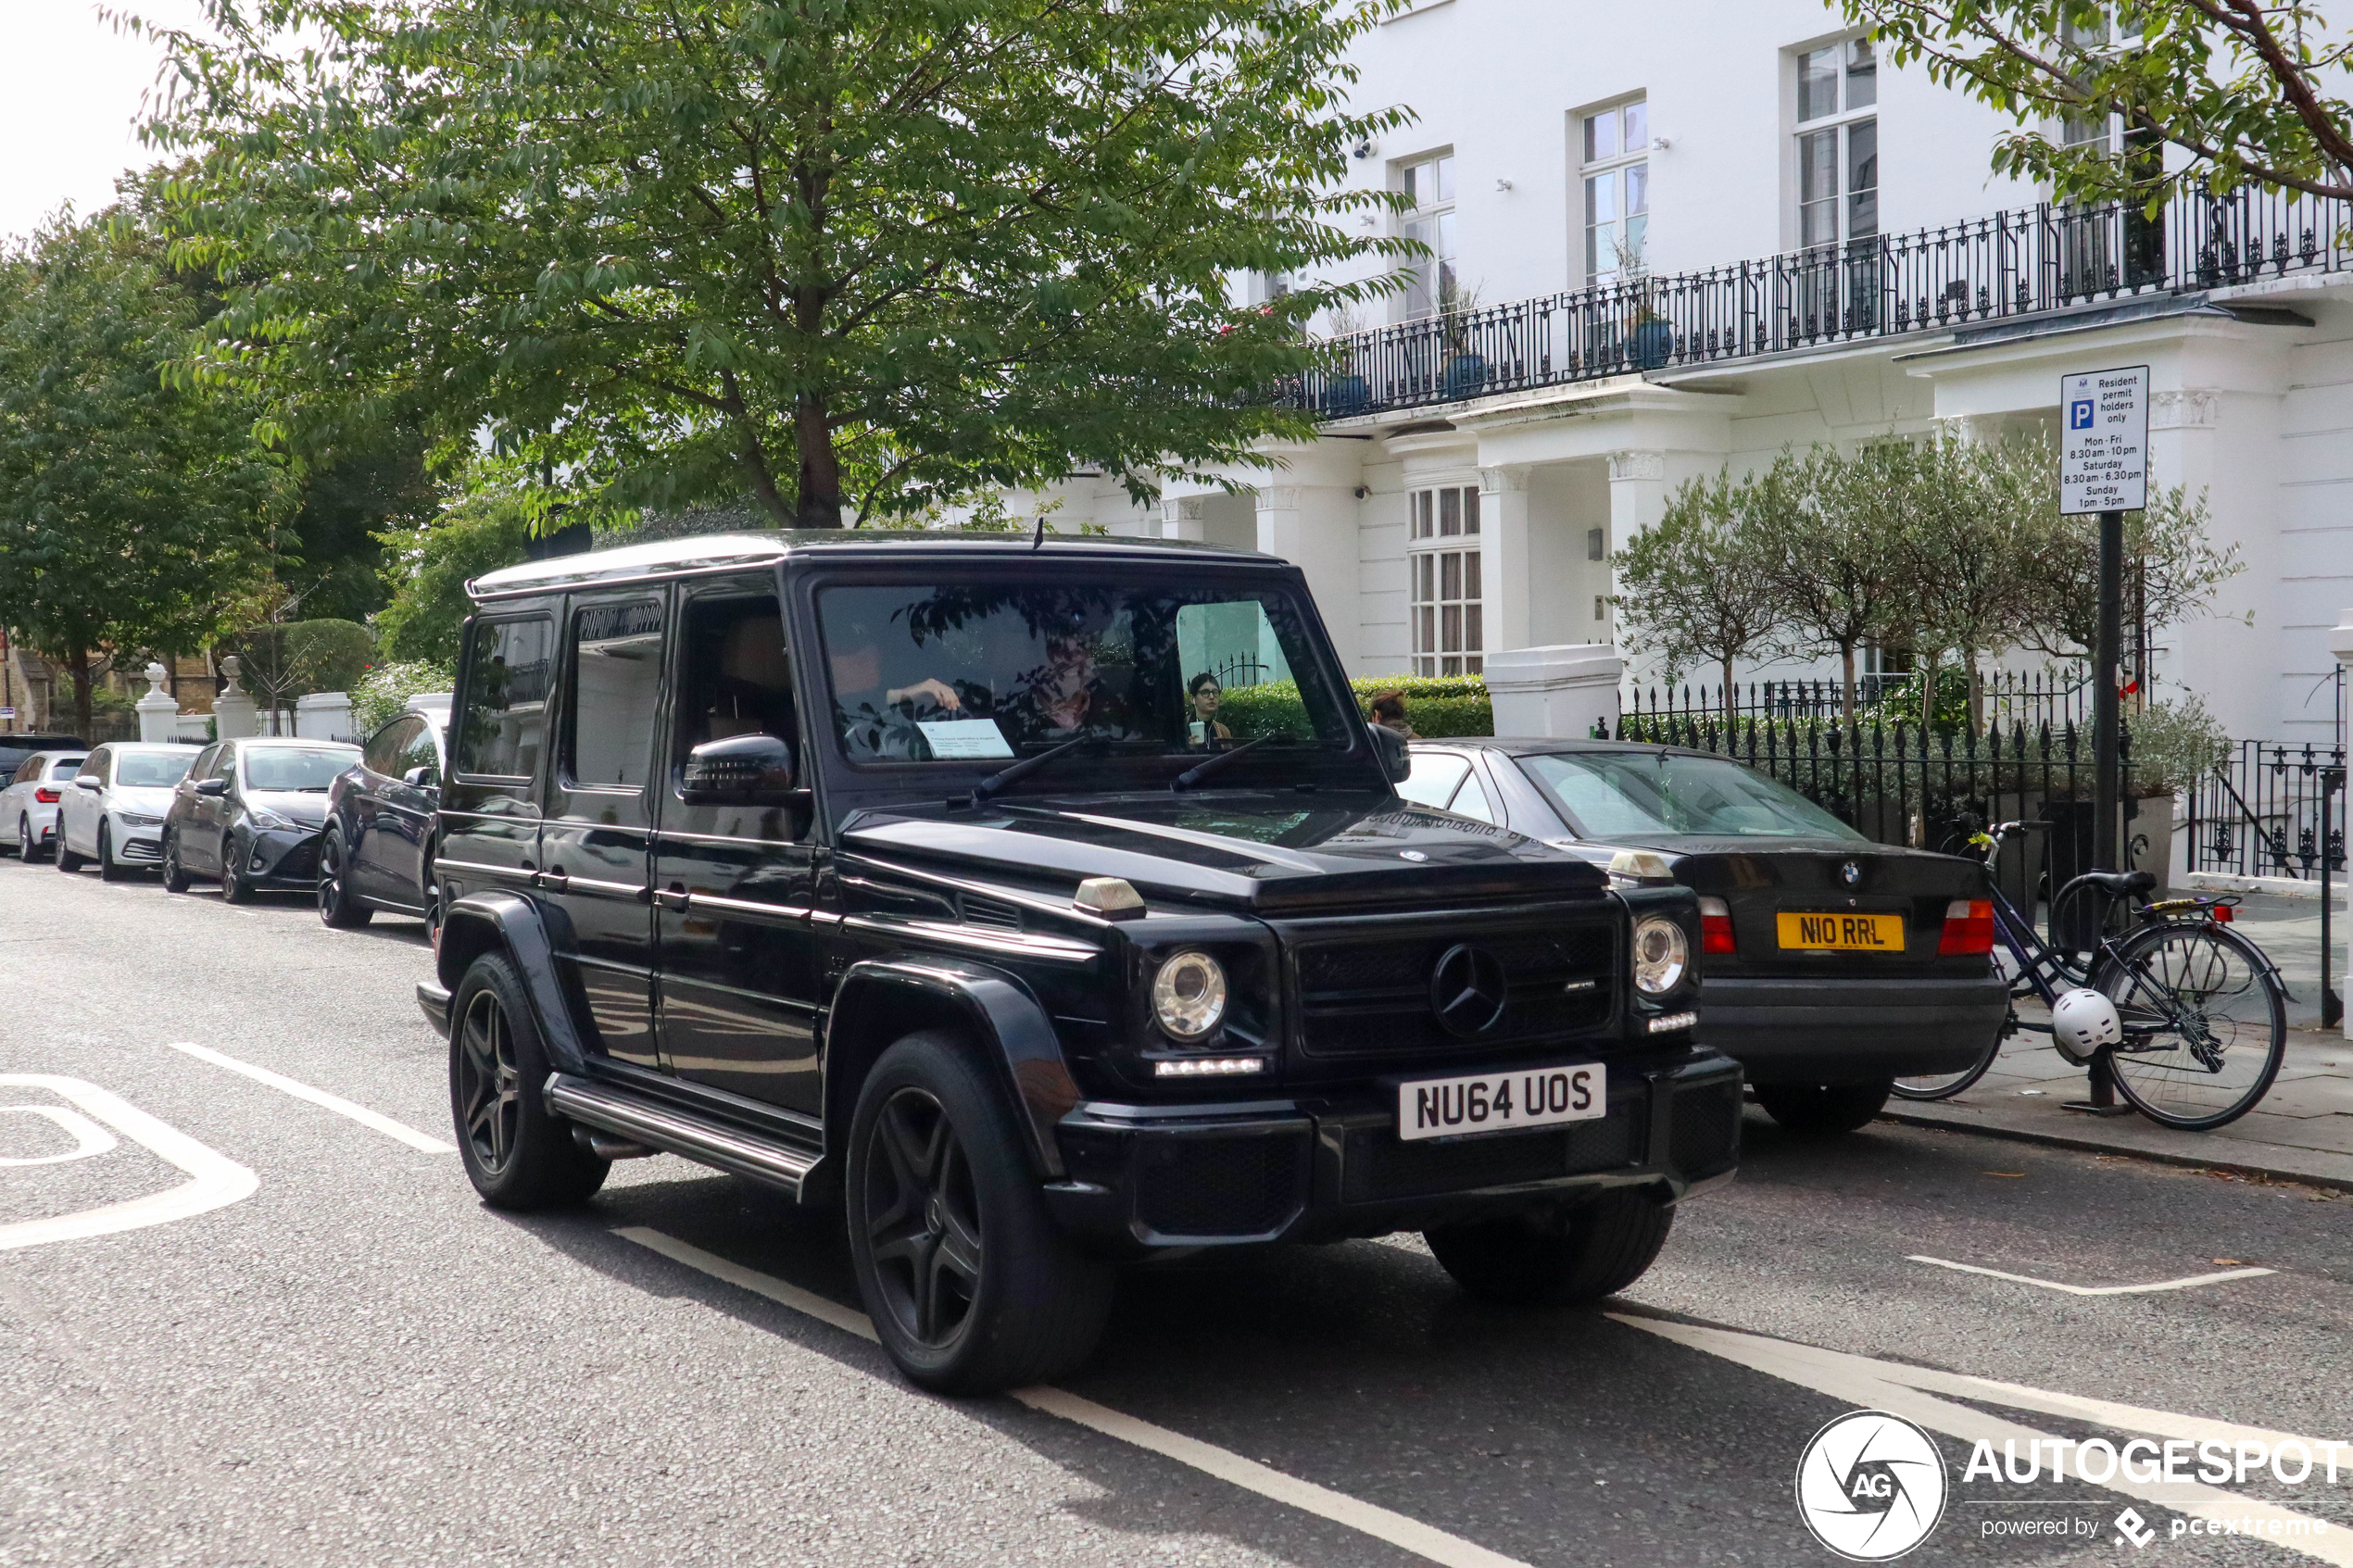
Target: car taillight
[[1716, 926], [46, 797], [1969, 926]]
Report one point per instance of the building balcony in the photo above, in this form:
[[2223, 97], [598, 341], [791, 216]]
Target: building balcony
[[2014, 265]]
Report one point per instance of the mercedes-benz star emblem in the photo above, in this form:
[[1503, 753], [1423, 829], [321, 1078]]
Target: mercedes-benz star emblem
[[1850, 873], [1467, 990]]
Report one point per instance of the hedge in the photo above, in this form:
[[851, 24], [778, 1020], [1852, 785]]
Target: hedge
[[1436, 706]]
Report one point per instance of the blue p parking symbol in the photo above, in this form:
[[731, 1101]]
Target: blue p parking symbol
[[2079, 414]]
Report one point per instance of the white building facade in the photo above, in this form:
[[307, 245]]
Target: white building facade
[[1683, 236]]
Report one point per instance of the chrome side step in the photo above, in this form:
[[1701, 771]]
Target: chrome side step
[[659, 1126]]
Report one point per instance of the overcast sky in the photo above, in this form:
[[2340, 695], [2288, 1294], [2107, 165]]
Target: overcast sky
[[71, 84]]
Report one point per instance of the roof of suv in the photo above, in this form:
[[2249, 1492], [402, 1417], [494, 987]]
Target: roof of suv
[[719, 551]]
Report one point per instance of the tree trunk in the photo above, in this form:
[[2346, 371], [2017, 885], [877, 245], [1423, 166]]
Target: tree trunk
[[83, 716], [763, 482], [1927, 663], [1976, 690], [820, 467], [1726, 694], [1846, 680]]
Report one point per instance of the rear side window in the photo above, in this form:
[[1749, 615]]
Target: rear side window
[[1432, 782], [63, 768], [384, 747], [616, 692], [509, 666], [420, 752], [94, 766]]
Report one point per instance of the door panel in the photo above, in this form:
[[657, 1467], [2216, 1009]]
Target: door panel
[[735, 884], [370, 870], [490, 816]]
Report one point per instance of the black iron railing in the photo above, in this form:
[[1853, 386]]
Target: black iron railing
[[2013, 264], [2053, 699], [2262, 812]]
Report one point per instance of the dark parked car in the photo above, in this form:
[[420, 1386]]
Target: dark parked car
[[15, 750], [891, 869], [249, 814], [1835, 964], [377, 851]]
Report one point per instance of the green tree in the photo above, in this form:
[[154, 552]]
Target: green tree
[[2246, 90], [333, 556], [133, 507], [840, 255], [485, 529], [1831, 548], [1973, 512], [1693, 587], [2171, 569]]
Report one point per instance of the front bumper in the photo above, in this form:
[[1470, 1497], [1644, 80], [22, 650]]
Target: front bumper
[[283, 858], [137, 842], [433, 1000], [1849, 1031], [1147, 1178]]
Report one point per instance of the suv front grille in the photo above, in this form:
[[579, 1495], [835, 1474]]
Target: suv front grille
[[1368, 997]]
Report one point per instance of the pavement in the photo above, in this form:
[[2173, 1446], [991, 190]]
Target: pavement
[[2301, 1131], [251, 1315]]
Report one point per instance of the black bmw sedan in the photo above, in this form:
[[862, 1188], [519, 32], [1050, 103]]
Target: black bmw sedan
[[249, 814], [1831, 965]]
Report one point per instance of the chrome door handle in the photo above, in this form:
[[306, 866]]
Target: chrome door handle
[[554, 882], [673, 898]]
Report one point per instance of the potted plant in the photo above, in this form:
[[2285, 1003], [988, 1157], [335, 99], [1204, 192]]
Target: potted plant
[[1465, 367], [1650, 337], [1346, 391]]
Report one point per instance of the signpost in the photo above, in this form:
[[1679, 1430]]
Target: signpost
[[2103, 425]]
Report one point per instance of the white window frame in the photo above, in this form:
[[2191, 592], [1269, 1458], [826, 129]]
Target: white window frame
[[1445, 580], [1626, 174], [1431, 220], [1840, 125]]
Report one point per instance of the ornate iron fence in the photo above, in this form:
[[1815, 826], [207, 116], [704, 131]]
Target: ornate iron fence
[[2012, 264], [2035, 700], [2270, 810]]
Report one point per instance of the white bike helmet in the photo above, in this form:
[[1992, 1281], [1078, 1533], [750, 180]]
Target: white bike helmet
[[2083, 1020]]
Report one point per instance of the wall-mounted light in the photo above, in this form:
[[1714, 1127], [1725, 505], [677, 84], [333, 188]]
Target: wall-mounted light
[[1365, 149], [1502, 185], [1662, 142]]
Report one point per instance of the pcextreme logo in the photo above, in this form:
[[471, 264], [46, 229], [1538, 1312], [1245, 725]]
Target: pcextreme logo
[[1871, 1485]]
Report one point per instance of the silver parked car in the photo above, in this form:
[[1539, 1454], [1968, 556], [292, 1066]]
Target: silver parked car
[[114, 811], [29, 804]]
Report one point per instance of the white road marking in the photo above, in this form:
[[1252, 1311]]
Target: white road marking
[[214, 1180], [1904, 1390], [88, 1137], [335, 1103], [2093, 1290], [1411, 1534]]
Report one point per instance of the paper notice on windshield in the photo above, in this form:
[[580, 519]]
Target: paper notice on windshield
[[952, 739]]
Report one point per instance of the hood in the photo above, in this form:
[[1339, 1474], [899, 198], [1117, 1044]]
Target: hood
[[1258, 851], [153, 800], [301, 806]]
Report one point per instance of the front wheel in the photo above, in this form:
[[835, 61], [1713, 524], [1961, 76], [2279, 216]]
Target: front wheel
[[971, 1287], [1824, 1110], [2205, 1023], [234, 888], [1580, 1254], [175, 875], [109, 869], [336, 904], [517, 1155]]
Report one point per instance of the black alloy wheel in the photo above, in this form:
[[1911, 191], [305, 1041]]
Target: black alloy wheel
[[923, 1220], [175, 875], [485, 1085], [234, 888], [337, 906], [109, 870], [517, 1155]]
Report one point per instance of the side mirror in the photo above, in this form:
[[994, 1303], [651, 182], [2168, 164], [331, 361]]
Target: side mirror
[[426, 777], [756, 770], [212, 786], [87, 781], [1390, 746]]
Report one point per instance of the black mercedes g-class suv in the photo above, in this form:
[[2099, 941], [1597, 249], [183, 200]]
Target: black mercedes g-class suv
[[924, 873]]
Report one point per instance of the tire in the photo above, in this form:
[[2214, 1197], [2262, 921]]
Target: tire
[[1824, 1110], [337, 905], [971, 1287], [175, 875], [234, 888], [28, 846], [517, 1155], [109, 869], [62, 857], [2205, 1023], [1551, 1260]]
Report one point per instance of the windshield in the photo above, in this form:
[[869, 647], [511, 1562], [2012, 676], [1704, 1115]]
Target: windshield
[[285, 768], [1639, 795], [971, 672], [151, 770]]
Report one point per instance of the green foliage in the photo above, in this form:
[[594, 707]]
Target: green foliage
[[332, 552], [2244, 92], [2172, 744], [133, 510], [834, 255], [1695, 588], [380, 696], [482, 533], [283, 660], [1436, 706]]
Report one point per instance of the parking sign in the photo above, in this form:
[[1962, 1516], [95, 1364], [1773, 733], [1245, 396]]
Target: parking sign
[[2104, 440]]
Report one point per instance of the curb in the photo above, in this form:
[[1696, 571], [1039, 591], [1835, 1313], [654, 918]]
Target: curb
[[2340, 1181]]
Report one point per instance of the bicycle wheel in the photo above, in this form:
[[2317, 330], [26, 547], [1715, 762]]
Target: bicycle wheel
[[1945, 1086], [2205, 1023]]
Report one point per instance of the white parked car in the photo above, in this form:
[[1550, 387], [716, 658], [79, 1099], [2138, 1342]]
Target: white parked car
[[29, 804], [113, 812]]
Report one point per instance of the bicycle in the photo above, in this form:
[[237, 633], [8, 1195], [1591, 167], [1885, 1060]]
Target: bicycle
[[2202, 1008]]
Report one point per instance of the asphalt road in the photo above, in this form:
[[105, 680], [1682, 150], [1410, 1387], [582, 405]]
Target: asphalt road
[[345, 1359]]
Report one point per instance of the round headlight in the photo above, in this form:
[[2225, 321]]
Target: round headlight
[[1188, 995], [1662, 956]]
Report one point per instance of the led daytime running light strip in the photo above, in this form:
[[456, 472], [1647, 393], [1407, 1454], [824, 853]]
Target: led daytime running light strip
[[1208, 1066], [1674, 1020]]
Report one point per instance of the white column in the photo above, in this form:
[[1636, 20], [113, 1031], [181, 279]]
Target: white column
[[1181, 519], [159, 714], [232, 711], [1637, 500], [323, 715], [1508, 576], [1560, 691], [1313, 527]]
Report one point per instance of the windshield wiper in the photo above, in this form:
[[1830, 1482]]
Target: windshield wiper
[[1022, 769], [1201, 770]]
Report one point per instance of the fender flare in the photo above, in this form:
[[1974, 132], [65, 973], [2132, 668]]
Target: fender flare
[[1013, 1029], [516, 926]]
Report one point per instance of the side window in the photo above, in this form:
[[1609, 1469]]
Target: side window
[[509, 666], [737, 676], [224, 764], [420, 752], [616, 692], [202, 767], [1433, 779], [96, 765], [1471, 800], [387, 744]]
